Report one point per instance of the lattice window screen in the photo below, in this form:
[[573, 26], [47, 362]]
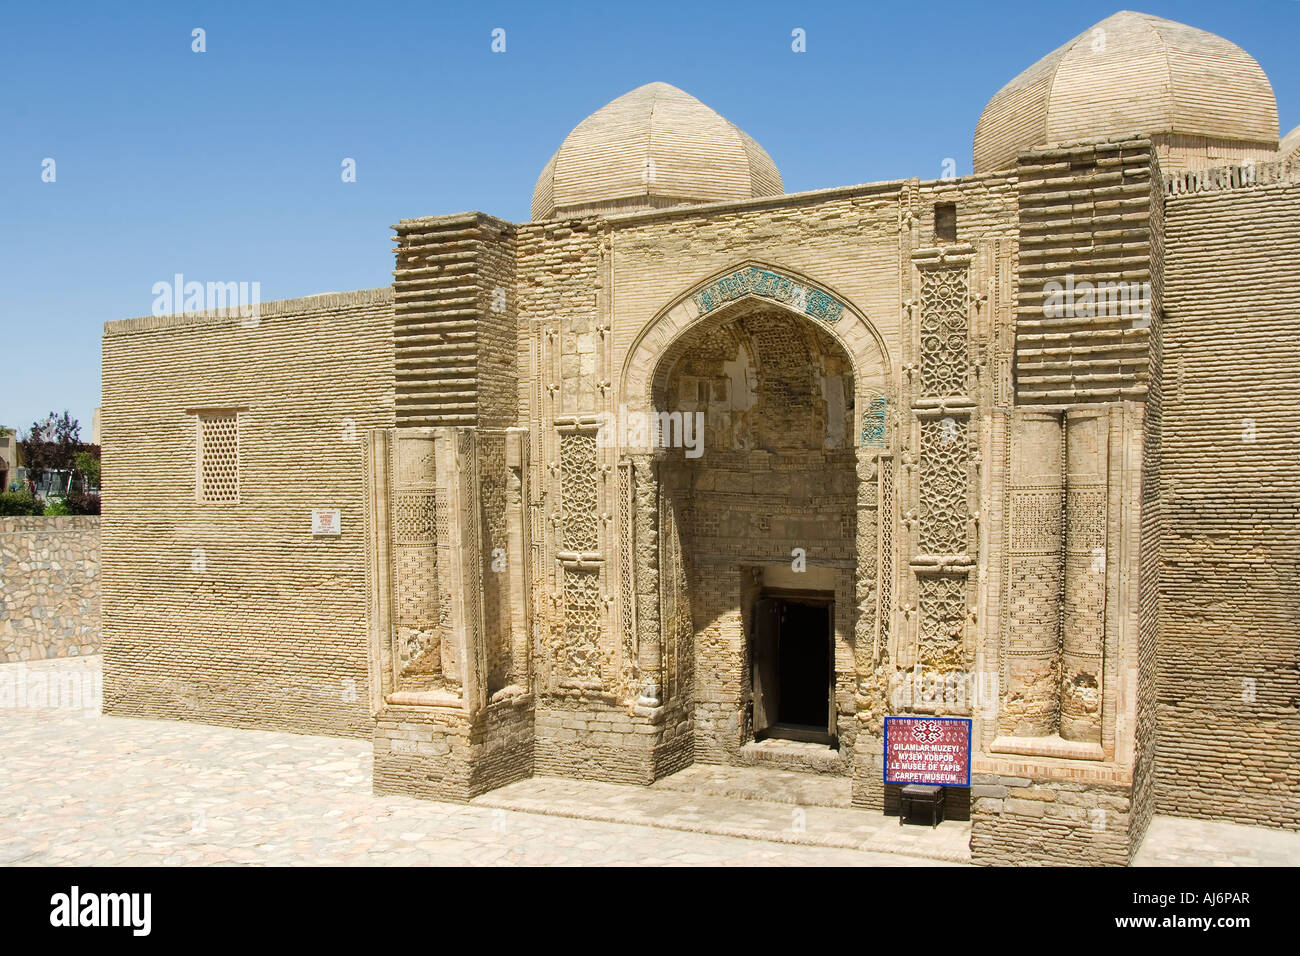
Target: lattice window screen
[[218, 457]]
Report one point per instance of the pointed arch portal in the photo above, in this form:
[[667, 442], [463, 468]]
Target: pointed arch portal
[[759, 596]]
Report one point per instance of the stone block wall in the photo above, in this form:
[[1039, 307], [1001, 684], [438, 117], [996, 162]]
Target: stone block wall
[[232, 612], [590, 740], [1229, 505], [422, 753], [446, 754], [1045, 820], [49, 587]]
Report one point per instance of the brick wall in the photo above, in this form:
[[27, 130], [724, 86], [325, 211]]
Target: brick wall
[[443, 754], [1084, 218], [49, 587], [233, 613], [1147, 714], [454, 334], [1229, 501], [1031, 820], [587, 739]]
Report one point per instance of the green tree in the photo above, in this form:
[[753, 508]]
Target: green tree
[[51, 445], [87, 463]]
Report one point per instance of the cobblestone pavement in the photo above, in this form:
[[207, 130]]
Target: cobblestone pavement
[[78, 788]]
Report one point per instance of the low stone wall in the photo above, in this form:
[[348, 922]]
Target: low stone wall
[[49, 587], [1019, 821], [440, 753]]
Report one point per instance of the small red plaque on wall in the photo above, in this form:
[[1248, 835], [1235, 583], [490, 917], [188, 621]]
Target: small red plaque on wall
[[934, 750]]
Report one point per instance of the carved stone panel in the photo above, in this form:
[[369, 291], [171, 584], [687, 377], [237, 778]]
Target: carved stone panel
[[1083, 622], [469, 555], [944, 492], [888, 507], [945, 321], [579, 491], [942, 602], [578, 654], [627, 570], [675, 606], [417, 602], [1031, 609]]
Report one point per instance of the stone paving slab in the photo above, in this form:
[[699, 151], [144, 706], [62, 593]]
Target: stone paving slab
[[761, 783], [1181, 841], [753, 819], [79, 788]]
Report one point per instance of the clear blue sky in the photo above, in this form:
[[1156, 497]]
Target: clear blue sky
[[225, 165]]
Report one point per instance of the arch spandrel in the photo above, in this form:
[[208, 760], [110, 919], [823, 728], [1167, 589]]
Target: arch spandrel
[[722, 295]]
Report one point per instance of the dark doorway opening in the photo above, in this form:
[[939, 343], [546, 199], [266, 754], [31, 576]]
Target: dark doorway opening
[[793, 667]]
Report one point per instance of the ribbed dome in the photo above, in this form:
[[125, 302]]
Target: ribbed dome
[[1289, 145], [651, 148], [1134, 73]]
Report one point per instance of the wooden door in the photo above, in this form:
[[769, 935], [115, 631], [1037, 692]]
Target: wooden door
[[830, 675], [767, 687]]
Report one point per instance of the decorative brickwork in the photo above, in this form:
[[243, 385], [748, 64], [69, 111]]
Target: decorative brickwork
[[420, 610], [578, 481], [627, 573], [218, 457], [1229, 470], [945, 351], [887, 509], [1031, 640], [943, 618], [582, 464], [578, 652], [944, 488], [1086, 213], [232, 612]]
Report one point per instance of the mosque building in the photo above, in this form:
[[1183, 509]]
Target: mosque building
[[689, 469]]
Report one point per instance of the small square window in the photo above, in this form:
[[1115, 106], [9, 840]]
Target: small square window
[[218, 457]]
